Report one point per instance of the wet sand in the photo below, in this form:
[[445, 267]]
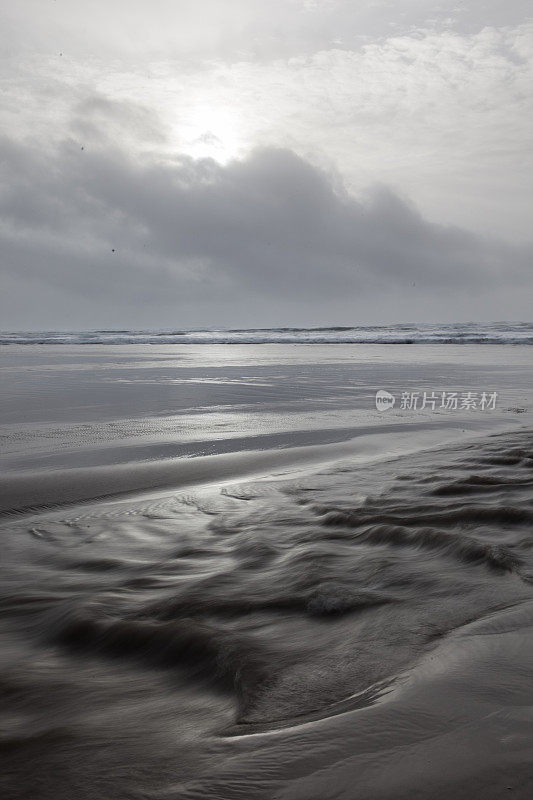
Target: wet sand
[[290, 614]]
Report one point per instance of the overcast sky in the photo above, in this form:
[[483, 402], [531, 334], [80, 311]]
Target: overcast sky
[[168, 163]]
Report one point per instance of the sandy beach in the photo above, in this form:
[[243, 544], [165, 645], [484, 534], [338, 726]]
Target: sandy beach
[[226, 574], [79, 422]]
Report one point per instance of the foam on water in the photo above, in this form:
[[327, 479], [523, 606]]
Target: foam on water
[[405, 333]]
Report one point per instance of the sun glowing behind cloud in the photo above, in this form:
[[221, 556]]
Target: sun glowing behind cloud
[[210, 132]]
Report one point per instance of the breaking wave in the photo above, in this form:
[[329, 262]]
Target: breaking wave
[[467, 333]]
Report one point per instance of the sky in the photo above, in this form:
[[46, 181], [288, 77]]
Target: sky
[[172, 163]]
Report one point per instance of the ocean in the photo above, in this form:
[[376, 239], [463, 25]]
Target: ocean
[[399, 333], [229, 572]]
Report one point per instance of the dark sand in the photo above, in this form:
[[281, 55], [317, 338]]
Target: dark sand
[[286, 594]]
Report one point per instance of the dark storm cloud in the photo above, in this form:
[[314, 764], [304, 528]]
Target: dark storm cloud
[[102, 228]]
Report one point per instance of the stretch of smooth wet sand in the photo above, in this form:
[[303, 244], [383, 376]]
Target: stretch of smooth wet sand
[[281, 592], [79, 422]]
